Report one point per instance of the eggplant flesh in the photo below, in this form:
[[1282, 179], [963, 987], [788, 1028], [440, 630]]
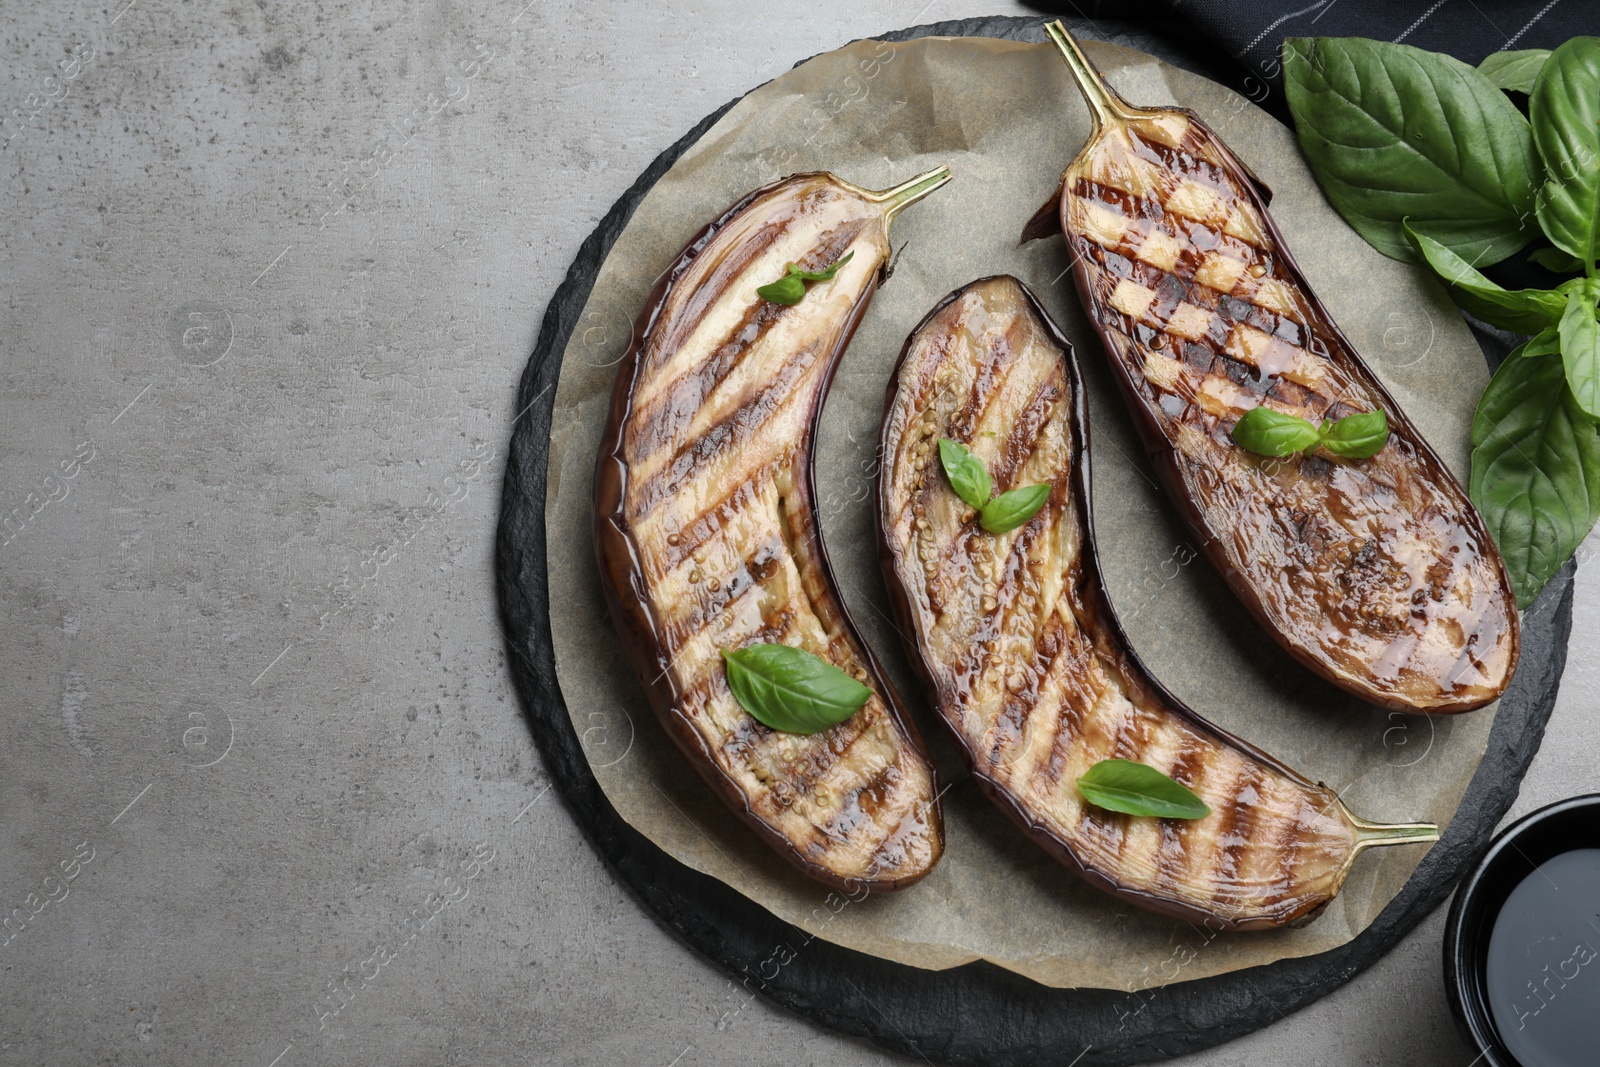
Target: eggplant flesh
[[706, 528], [1027, 664], [1377, 574]]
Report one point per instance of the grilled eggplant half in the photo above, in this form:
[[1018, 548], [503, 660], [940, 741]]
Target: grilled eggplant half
[[706, 527], [1026, 661], [1376, 573]]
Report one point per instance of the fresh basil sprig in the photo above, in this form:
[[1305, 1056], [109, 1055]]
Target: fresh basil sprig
[[1524, 310], [1580, 346], [1393, 131], [791, 288], [1136, 789], [1535, 470], [1535, 459], [967, 474], [970, 480], [1556, 261], [1515, 71], [1013, 508], [1565, 110], [1272, 433], [791, 690]]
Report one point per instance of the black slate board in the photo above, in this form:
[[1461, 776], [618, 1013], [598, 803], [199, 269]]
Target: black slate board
[[977, 1013]]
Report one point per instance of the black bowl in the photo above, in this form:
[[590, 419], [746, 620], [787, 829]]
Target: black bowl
[[1512, 856]]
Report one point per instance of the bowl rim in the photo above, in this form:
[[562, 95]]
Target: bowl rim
[[1472, 1015]]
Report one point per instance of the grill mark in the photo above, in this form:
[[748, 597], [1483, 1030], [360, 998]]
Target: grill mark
[[1187, 163], [1194, 235], [992, 391], [1231, 311], [1080, 692], [864, 803], [1233, 836], [1284, 838], [985, 385], [694, 534], [831, 244], [732, 431], [674, 405], [962, 545], [711, 683], [1049, 646], [1290, 855], [704, 297], [1173, 866], [1029, 425], [703, 604], [1105, 832], [893, 838], [1012, 564]]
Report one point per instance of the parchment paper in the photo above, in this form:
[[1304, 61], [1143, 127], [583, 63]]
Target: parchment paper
[[1007, 120]]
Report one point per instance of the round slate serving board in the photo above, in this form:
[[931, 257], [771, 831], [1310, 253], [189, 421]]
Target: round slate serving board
[[976, 1013]]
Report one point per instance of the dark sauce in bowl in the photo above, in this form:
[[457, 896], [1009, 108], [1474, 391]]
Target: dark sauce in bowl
[[1522, 944], [1543, 969]]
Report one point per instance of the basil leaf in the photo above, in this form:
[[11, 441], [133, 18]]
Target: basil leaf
[[1515, 71], [1580, 349], [966, 472], [1135, 789], [1553, 259], [826, 273], [1357, 436], [1547, 342], [791, 288], [791, 690], [1392, 131], [1522, 310], [1535, 470], [1272, 433], [1565, 109], [787, 290], [1010, 510]]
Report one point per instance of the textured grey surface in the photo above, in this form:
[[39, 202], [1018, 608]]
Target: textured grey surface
[[271, 272]]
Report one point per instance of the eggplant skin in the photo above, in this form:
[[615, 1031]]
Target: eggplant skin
[[1377, 574], [1029, 668], [706, 533]]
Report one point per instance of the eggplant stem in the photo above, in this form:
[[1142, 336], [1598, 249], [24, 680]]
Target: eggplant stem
[[1104, 103], [902, 196], [1371, 834]]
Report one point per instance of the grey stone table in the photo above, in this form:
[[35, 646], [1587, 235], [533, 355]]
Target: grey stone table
[[270, 274]]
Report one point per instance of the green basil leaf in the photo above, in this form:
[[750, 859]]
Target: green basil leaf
[[1580, 349], [1515, 71], [966, 472], [1357, 436], [1565, 109], [1010, 510], [1553, 259], [1393, 131], [1272, 433], [826, 273], [791, 690], [787, 290], [1547, 342], [1135, 789], [1535, 470], [1522, 310]]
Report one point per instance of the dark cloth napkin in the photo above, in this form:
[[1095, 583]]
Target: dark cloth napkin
[[1239, 41]]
